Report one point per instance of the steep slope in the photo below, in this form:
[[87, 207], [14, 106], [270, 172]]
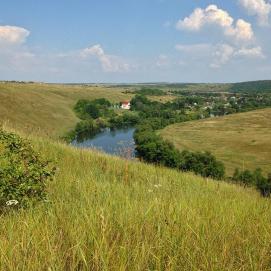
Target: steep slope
[[46, 109], [109, 214]]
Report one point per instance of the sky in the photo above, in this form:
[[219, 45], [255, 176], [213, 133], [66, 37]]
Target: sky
[[126, 41]]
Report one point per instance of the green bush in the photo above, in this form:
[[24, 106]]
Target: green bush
[[92, 109], [256, 178], [264, 186], [23, 173], [202, 163]]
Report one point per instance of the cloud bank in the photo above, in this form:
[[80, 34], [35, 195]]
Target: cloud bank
[[13, 34], [109, 63], [212, 15], [259, 8]]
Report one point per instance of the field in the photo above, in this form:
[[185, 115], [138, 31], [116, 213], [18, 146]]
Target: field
[[46, 109], [240, 140], [105, 213]]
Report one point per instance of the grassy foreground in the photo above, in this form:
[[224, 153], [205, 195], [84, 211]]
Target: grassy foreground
[[239, 140], [109, 214], [47, 109]]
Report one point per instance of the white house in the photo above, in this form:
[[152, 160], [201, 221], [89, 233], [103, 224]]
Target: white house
[[126, 105]]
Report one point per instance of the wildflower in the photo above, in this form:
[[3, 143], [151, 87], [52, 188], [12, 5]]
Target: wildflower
[[150, 191], [12, 202], [157, 185]]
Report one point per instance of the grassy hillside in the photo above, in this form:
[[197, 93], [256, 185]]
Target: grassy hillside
[[109, 214], [105, 213], [47, 108], [239, 140]]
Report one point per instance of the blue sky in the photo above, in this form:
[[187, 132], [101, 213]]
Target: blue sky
[[135, 40]]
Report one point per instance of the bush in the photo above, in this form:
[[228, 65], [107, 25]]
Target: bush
[[23, 173], [256, 179], [204, 164], [264, 186], [92, 109], [152, 148]]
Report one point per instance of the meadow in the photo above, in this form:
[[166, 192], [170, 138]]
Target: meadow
[[240, 140], [106, 213], [47, 109]]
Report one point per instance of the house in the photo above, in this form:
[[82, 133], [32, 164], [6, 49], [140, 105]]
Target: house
[[126, 105]]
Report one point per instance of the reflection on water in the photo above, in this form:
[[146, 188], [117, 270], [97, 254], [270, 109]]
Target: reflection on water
[[117, 142]]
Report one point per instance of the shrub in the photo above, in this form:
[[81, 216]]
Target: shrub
[[204, 164], [23, 173], [264, 186], [92, 109], [256, 178], [152, 148]]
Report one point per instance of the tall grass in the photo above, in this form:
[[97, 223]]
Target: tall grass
[[47, 109], [106, 213]]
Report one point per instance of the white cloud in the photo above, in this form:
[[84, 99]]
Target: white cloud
[[13, 34], [255, 52], [221, 55], [193, 48], [109, 63], [259, 8], [217, 55], [212, 15]]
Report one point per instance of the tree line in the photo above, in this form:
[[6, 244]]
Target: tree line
[[152, 148]]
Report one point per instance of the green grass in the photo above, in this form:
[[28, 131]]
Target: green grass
[[105, 213], [47, 109], [239, 140], [109, 214]]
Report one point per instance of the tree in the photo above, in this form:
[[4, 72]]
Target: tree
[[92, 110], [264, 185]]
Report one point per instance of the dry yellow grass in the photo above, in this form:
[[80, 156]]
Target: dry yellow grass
[[106, 213], [240, 140], [46, 109], [109, 214]]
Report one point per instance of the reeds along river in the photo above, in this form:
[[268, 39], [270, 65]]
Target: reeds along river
[[118, 142]]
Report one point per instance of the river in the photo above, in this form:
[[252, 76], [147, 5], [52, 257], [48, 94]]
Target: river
[[118, 142]]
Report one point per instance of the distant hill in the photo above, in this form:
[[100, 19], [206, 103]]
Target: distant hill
[[262, 86], [249, 86], [239, 140]]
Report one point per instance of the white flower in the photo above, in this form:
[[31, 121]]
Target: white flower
[[12, 202]]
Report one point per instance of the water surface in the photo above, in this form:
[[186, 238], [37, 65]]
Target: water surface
[[117, 142]]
